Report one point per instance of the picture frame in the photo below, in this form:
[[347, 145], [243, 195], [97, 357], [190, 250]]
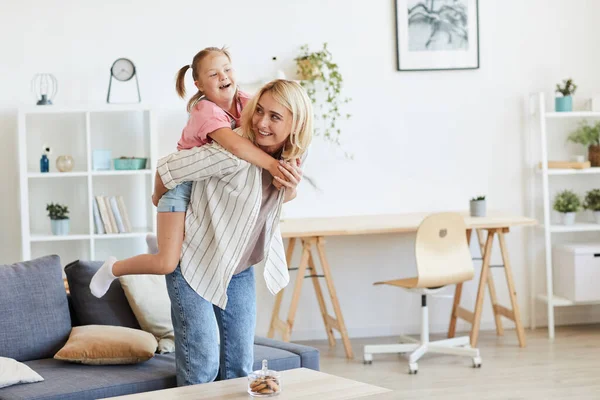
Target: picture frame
[[434, 35]]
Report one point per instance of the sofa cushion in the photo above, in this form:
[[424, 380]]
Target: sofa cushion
[[278, 360], [68, 381], [149, 300], [107, 345], [34, 314], [309, 356], [111, 309]]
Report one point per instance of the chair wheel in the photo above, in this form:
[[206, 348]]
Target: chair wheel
[[476, 362], [369, 362], [413, 368]]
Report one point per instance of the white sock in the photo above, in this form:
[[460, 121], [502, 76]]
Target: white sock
[[102, 279], [152, 243]]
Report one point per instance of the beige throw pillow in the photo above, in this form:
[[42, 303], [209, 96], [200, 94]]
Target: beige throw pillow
[[148, 298], [13, 372], [107, 345]]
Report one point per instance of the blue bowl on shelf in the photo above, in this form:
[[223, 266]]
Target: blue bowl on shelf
[[129, 163]]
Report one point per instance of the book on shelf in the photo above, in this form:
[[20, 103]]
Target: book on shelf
[[123, 212], [112, 215], [117, 215], [567, 164], [97, 219], [104, 214]]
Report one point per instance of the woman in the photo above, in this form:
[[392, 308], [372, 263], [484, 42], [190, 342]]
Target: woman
[[232, 223]]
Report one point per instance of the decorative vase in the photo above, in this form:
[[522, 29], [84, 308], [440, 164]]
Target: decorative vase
[[563, 104], [60, 226], [64, 163], [568, 218], [44, 163], [597, 216], [594, 155], [477, 208]]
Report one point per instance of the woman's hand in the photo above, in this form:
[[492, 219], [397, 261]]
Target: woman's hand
[[293, 175]]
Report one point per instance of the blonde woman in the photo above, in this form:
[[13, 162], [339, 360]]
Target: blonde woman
[[231, 225]]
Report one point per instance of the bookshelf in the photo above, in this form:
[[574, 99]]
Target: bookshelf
[[548, 131], [125, 130]]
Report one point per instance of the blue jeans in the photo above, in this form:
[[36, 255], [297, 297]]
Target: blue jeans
[[198, 356]]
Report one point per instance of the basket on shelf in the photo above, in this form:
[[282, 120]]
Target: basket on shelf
[[129, 163]]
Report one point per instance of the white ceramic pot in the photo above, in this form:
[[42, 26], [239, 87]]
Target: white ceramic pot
[[477, 208], [60, 226], [597, 216], [568, 218]]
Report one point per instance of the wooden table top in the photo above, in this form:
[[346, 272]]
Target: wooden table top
[[387, 223], [299, 383]]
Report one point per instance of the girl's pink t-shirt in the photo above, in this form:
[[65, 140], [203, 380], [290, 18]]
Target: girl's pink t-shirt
[[207, 117]]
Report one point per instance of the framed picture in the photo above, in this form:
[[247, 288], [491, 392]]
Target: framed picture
[[437, 34]]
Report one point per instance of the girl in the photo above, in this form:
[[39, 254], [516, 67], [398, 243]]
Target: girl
[[232, 224], [214, 110]]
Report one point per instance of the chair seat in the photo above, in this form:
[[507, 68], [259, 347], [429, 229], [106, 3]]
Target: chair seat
[[405, 283]]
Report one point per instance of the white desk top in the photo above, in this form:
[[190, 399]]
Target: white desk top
[[390, 223]]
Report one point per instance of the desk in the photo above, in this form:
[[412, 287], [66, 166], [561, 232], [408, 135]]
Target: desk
[[311, 232]]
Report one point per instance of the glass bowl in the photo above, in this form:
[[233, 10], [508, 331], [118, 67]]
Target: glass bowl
[[264, 382]]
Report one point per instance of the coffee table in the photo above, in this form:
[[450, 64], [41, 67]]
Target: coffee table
[[299, 383]]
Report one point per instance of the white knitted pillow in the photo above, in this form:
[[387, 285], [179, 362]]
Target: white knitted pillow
[[13, 372]]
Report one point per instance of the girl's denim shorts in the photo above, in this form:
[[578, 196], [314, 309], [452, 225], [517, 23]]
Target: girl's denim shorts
[[176, 199]]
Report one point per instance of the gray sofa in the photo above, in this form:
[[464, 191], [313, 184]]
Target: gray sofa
[[36, 317]]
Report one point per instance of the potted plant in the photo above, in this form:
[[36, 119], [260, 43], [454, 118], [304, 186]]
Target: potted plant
[[59, 220], [477, 206], [317, 67], [592, 202], [565, 101], [567, 203], [589, 136]]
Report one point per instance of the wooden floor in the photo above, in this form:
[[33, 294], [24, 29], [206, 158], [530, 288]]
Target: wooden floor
[[568, 368]]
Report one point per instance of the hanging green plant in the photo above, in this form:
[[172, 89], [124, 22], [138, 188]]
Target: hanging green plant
[[315, 67]]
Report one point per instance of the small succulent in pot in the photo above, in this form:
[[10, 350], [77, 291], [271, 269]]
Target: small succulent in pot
[[567, 203], [564, 102], [477, 206], [59, 218], [588, 136]]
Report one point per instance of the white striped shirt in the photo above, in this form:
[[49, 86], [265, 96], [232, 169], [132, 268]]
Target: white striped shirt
[[224, 205]]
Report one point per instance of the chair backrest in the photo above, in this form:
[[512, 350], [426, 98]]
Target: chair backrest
[[442, 252]]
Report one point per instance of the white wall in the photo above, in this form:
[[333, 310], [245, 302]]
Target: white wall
[[422, 141]]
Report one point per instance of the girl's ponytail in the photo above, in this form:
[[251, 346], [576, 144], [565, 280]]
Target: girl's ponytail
[[180, 81]]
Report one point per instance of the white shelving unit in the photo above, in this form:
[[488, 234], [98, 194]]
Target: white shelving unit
[[126, 130], [540, 118]]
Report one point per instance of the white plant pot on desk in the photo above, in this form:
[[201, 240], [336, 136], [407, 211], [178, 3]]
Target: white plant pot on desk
[[477, 208], [597, 216], [567, 218]]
